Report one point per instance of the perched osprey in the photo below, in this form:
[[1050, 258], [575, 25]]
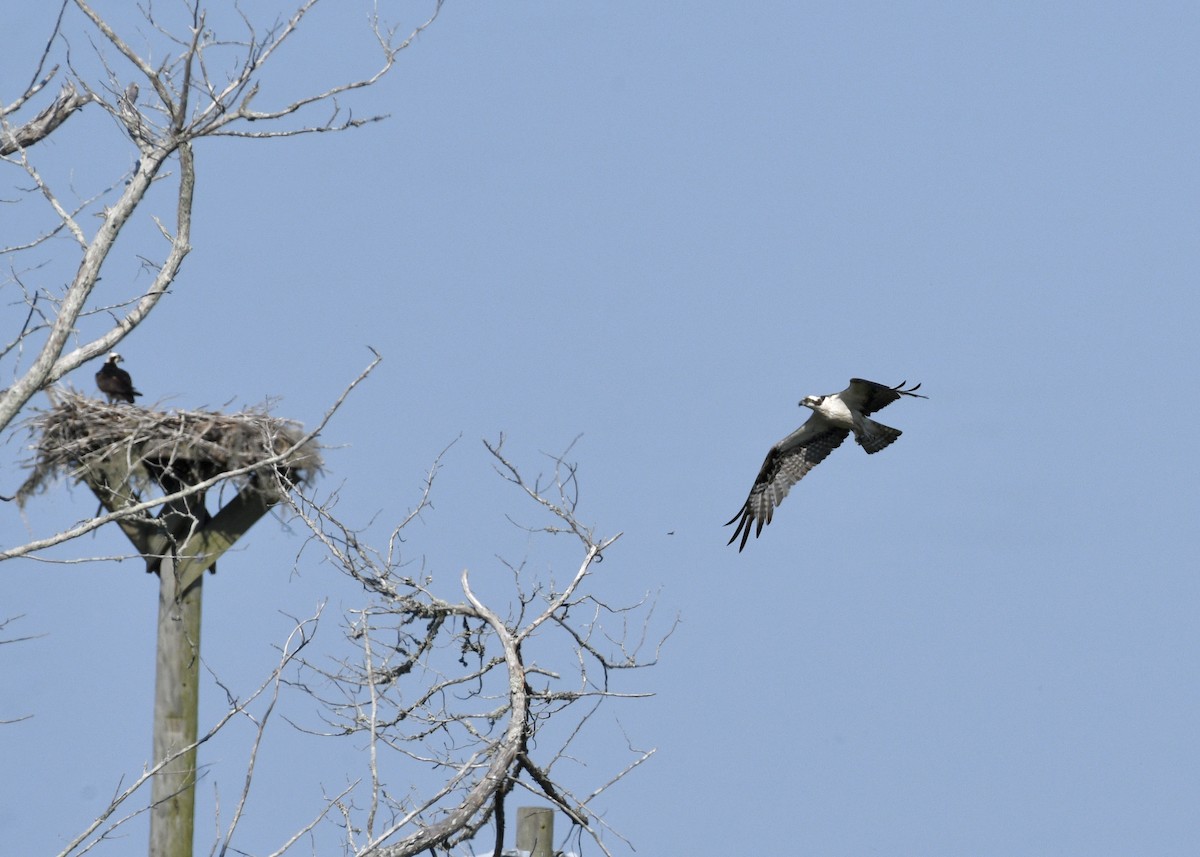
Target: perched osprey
[[115, 382], [834, 417]]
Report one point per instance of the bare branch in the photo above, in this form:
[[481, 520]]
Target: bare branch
[[42, 125], [157, 80], [487, 689], [299, 638], [213, 119]]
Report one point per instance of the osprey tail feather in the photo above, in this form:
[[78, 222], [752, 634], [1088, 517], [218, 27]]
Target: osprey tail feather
[[875, 436]]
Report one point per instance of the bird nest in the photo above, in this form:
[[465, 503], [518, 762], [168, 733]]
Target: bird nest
[[88, 440]]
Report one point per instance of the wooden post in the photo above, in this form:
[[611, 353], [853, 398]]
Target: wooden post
[[176, 698], [535, 831]]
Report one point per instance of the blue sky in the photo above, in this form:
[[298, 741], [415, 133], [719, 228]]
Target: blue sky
[[659, 226]]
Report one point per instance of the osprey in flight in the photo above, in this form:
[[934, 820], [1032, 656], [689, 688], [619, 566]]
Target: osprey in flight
[[834, 417], [115, 382]]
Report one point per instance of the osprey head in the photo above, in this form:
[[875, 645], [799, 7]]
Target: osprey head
[[114, 357], [813, 402]]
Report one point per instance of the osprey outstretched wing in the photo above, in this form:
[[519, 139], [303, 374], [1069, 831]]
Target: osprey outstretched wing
[[834, 417]]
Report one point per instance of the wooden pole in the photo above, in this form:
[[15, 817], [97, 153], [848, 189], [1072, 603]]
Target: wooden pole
[[178, 545], [535, 831], [176, 698]]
